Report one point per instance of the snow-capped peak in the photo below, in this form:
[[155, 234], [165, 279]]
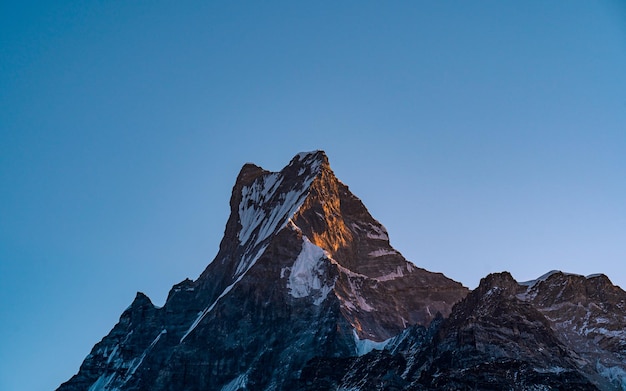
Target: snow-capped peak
[[549, 274], [269, 202], [543, 277]]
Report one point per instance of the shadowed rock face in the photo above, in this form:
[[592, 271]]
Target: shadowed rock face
[[306, 293], [589, 315], [303, 271], [561, 332], [493, 339]]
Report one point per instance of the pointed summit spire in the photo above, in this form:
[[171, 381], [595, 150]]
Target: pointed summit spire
[[303, 270]]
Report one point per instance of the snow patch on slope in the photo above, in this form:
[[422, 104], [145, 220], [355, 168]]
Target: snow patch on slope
[[543, 277], [314, 164], [268, 204], [307, 272], [133, 368], [237, 383], [102, 383], [382, 252], [106, 381], [393, 275], [355, 293], [250, 216], [208, 309], [379, 233], [616, 375], [111, 355], [364, 346], [355, 281]]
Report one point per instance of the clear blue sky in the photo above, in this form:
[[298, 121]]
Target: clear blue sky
[[486, 136]]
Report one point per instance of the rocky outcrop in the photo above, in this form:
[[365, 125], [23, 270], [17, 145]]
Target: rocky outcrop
[[589, 315], [303, 270], [306, 293], [494, 340], [560, 332]]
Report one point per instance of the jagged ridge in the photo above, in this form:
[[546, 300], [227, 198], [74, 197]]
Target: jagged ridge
[[303, 270], [560, 332], [307, 293]]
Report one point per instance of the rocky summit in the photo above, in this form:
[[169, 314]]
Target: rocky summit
[[306, 293]]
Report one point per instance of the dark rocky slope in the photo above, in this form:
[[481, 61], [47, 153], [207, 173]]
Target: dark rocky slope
[[306, 293], [303, 270], [561, 332]]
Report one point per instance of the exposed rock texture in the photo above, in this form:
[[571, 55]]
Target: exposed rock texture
[[303, 270], [561, 332], [306, 293]]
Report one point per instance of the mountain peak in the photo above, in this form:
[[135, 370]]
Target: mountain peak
[[332, 224], [306, 155], [306, 198], [499, 282], [306, 283], [303, 270], [311, 156], [248, 173], [301, 163]]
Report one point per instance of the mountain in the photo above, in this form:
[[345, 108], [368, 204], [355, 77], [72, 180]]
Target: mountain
[[560, 332], [303, 273], [306, 293]]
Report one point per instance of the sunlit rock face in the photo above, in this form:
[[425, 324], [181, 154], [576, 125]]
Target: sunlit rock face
[[306, 293], [303, 271]]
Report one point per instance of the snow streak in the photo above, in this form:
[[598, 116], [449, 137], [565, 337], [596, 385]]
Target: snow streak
[[266, 207], [306, 274]]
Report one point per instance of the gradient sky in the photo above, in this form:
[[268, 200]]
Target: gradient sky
[[485, 136]]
